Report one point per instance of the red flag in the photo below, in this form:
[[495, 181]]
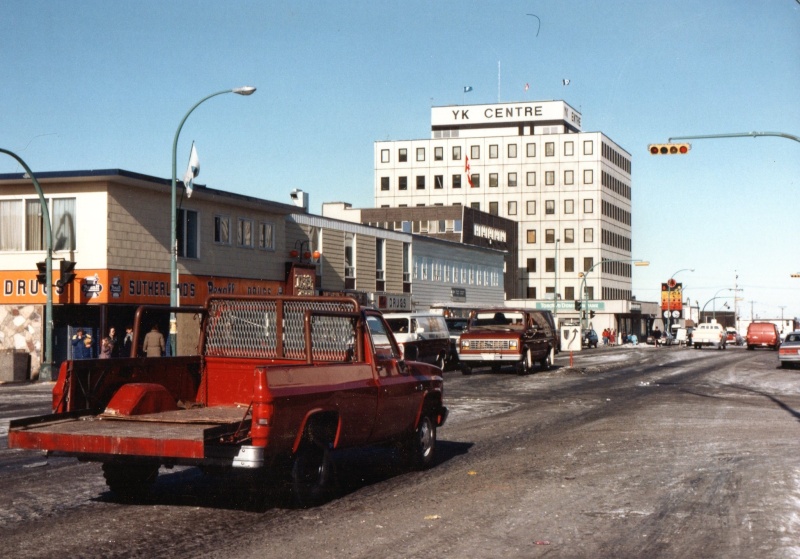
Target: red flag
[[466, 170]]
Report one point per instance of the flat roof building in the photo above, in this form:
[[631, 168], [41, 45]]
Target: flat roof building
[[530, 162]]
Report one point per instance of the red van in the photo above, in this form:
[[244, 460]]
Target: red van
[[763, 334]]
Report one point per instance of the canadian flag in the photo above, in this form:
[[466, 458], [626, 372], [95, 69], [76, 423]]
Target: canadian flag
[[466, 170]]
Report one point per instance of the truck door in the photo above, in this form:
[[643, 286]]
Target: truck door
[[399, 398]]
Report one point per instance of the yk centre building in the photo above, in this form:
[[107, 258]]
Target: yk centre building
[[530, 162]]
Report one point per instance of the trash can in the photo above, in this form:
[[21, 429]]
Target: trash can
[[15, 365]]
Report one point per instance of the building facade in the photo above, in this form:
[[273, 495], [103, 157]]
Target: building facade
[[115, 225], [459, 224], [531, 162], [394, 270]]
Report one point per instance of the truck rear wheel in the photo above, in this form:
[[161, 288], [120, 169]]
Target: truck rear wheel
[[129, 481], [420, 448], [312, 475]]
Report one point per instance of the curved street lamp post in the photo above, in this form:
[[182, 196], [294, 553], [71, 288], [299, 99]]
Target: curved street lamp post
[[173, 292], [45, 369]]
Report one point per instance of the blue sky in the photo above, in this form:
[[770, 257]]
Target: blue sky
[[98, 84]]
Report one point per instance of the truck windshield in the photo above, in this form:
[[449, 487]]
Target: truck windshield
[[494, 320]]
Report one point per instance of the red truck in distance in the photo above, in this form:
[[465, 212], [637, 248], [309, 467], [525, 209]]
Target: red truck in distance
[[277, 384]]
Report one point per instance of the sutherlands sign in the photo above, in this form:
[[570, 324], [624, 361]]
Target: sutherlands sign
[[126, 287], [505, 114]]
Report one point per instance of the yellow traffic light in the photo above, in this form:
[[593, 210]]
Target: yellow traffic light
[[669, 149]]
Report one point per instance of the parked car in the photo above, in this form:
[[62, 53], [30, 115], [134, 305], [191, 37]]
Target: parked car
[[589, 338], [455, 327], [763, 334], [733, 336], [421, 336], [789, 352]]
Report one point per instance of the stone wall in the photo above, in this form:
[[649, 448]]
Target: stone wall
[[21, 328]]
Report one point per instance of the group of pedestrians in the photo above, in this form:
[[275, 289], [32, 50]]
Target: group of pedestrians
[[609, 336], [111, 346]]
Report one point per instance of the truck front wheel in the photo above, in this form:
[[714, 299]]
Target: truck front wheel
[[421, 446], [129, 481]]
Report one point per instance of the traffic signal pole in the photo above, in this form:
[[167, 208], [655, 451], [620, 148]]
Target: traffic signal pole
[[737, 135]]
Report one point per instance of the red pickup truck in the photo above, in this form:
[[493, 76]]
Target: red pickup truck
[[277, 383]]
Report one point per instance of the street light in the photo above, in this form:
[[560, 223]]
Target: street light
[[173, 270], [584, 298], [669, 295], [45, 369]]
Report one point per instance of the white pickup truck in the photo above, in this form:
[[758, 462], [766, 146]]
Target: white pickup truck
[[710, 334]]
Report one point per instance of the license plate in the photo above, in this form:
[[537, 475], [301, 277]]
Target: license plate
[[490, 356]]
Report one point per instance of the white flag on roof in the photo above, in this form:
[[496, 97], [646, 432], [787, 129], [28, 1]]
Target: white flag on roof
[[191, 171]]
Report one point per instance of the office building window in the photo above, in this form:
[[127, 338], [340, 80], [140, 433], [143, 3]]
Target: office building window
[[550, 178], [384, 156], [438, 153], [588, 205], [549, 207], [494, 151], [549, 266], [493, 180], [512, 180], [476, 180], [530, 207], [222, 229], [569, 206], [531, 293], [588, 262], [512, 207], [531, 236], [549, 149], [588, 176], [456, 153], [420, 154], [493, 209], [530, 178], [588, 147], [475, 152], [531, 150], [588, 235], [438, 181], [512, 151], [475, 205], [569, 176], [420, 182], [569, 293], [402, 183], [549, 236], [569, 266], [569, 235], [569, 148], [402, 155], [384, 183], [456, 181], [531, 265]]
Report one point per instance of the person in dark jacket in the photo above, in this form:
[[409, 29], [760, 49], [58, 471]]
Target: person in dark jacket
[[81, 345]]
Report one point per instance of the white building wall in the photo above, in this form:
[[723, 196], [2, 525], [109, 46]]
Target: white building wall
[[575, 167]]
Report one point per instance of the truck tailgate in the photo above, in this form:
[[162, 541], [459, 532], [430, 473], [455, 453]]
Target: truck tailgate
[[181, 434]]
